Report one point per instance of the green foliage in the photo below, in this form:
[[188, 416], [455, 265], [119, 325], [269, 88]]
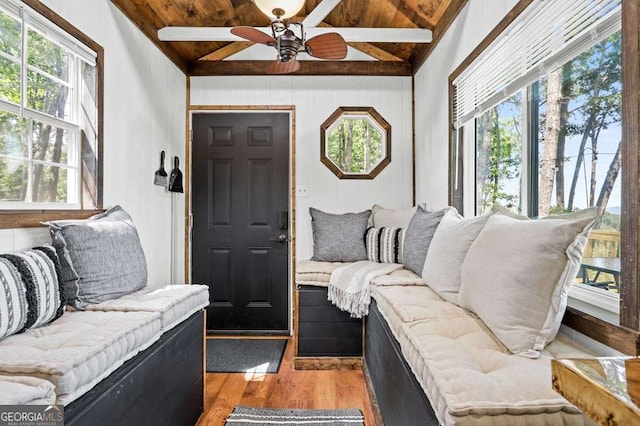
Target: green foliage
[[500, 162], [355, 145], [44, 94], [610, 221]]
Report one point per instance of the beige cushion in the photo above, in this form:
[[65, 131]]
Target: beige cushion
[[79, 349], [466, 373], [310, 272], [389, 218], [517, 273], [447, 251], [20, 390], [175, 303]]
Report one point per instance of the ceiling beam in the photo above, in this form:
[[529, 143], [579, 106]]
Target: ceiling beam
[[372, 35], [375, 51], [320, 12], [226, 51], [212, 68], [421, 53], [414, 15]]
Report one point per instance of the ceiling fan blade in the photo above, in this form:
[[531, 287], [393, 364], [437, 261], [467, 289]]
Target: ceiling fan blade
[[253, 35], [327, 46], [278, 67]]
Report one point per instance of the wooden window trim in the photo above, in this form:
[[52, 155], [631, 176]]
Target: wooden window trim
[[626, 336], [28, 218], [346, 111], [12, 219]]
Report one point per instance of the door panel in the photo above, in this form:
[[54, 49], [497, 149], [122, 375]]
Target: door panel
[[240, 200]]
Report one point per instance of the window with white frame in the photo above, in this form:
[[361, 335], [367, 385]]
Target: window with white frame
[[543, 101], [48, 114]]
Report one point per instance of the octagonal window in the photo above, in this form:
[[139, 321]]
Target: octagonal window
[[355, 143]]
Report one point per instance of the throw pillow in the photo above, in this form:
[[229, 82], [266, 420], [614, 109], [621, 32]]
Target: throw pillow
[[517, 274], [40, 280], [13, 300], [389, 218], [339, 237], [448, 249], [384, 245], [417, 240], [51, 253], [104, 252]]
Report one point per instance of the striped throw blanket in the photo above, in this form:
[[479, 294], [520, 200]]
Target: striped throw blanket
[[350, 285]]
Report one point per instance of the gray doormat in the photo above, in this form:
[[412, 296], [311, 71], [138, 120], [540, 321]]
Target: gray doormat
[[248, 416], [244, 355]]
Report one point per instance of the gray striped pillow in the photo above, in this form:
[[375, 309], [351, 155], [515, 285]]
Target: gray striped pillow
[[384, 245], [13, 300], [40, 280]]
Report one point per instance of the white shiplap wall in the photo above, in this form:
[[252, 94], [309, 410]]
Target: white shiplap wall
[[315, 98], [144, 113], [471, 26]]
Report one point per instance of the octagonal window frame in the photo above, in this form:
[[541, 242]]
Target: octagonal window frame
[[375, 119]]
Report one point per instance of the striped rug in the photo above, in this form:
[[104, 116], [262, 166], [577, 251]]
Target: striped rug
[[248, 416]]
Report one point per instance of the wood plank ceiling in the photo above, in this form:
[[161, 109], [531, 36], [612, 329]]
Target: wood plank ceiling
[[210, 58]]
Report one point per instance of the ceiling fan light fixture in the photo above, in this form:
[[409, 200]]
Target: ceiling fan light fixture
[[279, 9]]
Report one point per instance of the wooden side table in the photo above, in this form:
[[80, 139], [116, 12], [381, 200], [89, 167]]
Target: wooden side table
[[605, 389]]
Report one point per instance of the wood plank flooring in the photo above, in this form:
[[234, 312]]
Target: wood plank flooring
[[327, 389]]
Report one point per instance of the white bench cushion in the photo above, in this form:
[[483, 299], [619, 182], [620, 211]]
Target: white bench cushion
[[174, 303], [19, 390], [466, 373], [79, 349]]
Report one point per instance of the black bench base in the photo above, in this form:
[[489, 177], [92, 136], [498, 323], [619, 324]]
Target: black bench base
[[323, 329], [399, 396]]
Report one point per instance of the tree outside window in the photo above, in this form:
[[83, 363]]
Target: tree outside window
[[47, 104], [575, 114]]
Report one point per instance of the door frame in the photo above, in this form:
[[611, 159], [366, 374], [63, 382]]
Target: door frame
[[225, 109]]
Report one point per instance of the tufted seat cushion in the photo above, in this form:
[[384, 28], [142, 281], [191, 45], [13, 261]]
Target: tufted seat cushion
[[20, 390], [174, 303], [79, 350], [467, 374], [310, 272]]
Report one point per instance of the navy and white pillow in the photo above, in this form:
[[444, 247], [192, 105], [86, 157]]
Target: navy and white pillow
[[39, 275], [13, 300], [384, 245]]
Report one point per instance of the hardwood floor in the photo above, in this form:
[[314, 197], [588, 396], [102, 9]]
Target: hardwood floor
[[327, 389]]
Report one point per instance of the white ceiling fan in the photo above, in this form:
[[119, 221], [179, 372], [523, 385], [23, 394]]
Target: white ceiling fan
[[323, 43]]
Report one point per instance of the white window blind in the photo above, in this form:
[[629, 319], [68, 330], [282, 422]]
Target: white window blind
[[546, 35]]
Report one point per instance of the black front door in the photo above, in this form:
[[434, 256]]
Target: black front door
[[240, 205]]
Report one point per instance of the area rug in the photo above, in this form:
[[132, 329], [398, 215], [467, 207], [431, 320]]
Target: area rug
[[244, 355], [248, 416]]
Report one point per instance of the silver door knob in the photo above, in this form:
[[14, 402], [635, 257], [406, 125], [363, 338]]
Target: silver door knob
[[282, 238]]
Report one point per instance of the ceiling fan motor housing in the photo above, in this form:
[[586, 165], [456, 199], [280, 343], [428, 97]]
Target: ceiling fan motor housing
[[289, 45]]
